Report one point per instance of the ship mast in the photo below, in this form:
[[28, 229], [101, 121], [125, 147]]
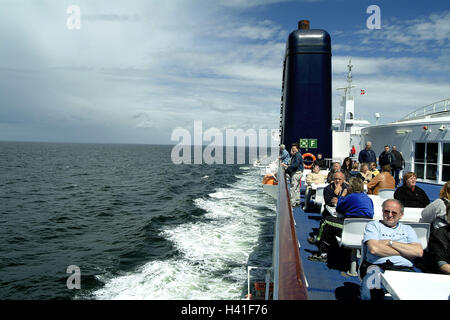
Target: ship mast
[[347, 99]]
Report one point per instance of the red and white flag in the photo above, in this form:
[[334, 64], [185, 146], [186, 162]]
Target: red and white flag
[[363, 91]]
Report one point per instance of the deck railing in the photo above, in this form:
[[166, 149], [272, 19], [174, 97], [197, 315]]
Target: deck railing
[[289, 279], [436, 107]]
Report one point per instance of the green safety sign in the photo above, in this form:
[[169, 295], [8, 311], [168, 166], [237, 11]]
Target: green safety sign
[[308, 143], [303, 143]]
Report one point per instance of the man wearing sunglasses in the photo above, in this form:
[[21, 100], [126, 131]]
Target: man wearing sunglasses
[[391, 245]]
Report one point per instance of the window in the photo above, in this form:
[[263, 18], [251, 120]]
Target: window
[[419, 166], [445, 162], [426, 159], [432, 160]]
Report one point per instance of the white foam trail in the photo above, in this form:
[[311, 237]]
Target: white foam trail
[[214, 250], [168, 280]]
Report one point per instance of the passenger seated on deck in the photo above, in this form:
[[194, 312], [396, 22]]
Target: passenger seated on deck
[[384, 180], [373, 168], [355, 170], [321, 162], [411, 195], [335, 167], [391, 245], [365, 174], [331, 193], [438, 255], [346, 167], [314, 177], [356, 204], [435, 212]]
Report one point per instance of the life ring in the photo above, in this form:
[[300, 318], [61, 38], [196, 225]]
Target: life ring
[[308, 155]]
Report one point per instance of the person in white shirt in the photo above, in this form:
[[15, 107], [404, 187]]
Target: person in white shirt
[[315, 177], [391, 245]]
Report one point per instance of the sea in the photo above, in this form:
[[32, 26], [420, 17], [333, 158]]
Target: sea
[[134, 225]]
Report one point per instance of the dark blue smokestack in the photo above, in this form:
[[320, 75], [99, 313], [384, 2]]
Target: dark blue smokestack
[[306, 101]]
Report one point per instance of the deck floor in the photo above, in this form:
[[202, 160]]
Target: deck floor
[[328, 280]]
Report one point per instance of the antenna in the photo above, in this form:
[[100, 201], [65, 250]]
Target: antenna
[[347, 89], [347, 99], [349, 75]]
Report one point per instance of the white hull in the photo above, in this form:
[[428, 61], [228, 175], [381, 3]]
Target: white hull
[[271, 190]]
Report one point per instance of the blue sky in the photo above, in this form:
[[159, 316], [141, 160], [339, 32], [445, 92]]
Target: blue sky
[[137, 69]]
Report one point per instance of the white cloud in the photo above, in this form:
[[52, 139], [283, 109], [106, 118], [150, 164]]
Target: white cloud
[[437, 28], [136, 71], [151, 66], [248, 3], [252, 30], [256, 3], [385, 65], [428, 34]]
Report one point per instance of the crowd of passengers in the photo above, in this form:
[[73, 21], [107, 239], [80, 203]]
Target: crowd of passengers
[[391, 245]]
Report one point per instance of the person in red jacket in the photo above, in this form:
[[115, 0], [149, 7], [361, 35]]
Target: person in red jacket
[[353, 151]]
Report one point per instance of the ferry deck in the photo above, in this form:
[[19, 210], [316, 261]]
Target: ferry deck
[[328, 280]]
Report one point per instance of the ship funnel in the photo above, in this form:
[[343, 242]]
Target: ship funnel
[[303, 25], [306, 100]]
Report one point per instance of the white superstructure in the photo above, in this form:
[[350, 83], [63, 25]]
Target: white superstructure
[[422, 136], [347, 129]]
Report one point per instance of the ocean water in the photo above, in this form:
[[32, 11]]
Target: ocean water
[[137, 226]]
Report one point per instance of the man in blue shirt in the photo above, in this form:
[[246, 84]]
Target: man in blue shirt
[[295, 170], [391, 245], [284, 155], [367, 155]]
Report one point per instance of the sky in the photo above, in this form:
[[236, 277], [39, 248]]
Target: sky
[[136, 70]]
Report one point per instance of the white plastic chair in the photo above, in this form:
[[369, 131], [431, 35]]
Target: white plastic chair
[[352, 235], [412, 214], [353, 232], [386, 193], [318, 199], [305, 173], [422, 230], [362, 257]]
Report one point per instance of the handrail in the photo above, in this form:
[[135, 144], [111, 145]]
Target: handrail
[[428, 109], [290, 280], [405, 161]]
